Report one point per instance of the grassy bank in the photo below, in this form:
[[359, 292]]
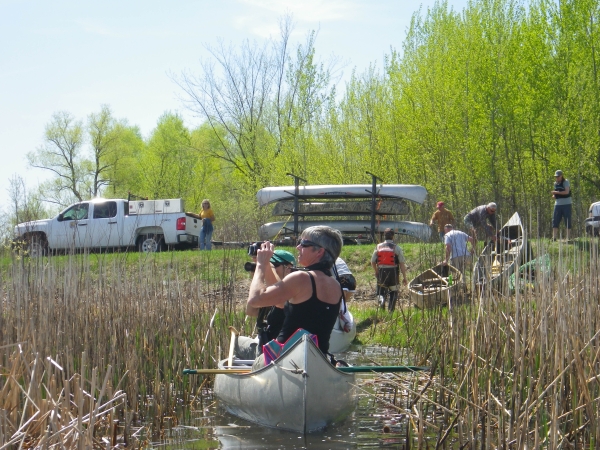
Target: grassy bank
[[92, 346]]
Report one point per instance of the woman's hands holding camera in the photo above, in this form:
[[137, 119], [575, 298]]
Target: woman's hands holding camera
[[264, 254]]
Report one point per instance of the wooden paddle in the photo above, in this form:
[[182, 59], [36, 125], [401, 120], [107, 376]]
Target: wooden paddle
[[352, 369], [234, 333]]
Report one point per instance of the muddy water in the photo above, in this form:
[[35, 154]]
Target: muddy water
[[372, 424]]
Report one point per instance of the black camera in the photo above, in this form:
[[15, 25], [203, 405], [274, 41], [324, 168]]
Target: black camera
[[250, 266], [253, 248]]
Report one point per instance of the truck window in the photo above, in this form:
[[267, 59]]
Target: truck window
[[76, 212], [105, 210]]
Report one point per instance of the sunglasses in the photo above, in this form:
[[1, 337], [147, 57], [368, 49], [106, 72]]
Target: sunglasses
[[306, 243]]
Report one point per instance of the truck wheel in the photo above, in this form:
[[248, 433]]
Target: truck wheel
[[36, 247], [150, 243]]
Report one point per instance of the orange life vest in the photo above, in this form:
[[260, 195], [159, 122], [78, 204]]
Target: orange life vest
[[386, 255]]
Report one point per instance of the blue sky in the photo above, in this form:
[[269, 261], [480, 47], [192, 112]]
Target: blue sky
[[75, 56]]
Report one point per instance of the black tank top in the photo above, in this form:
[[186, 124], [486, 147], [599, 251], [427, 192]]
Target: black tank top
[[275, 322], [313, 315]]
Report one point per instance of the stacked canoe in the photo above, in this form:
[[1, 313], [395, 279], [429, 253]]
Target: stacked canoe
[[350, 200]]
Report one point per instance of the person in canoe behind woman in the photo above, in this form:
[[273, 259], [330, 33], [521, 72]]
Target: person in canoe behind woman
[[269, 320], [312, 297]]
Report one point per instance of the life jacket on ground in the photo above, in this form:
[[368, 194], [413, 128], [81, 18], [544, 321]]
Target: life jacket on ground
[[386, 255]]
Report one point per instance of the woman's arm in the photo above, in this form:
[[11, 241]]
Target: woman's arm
[[270, 279], [262, 295]]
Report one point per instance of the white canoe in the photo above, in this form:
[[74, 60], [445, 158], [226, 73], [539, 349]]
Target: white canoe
[[300, 391], [412, 192], [339, 340], [415, 229], [499, 260], [352, 208]]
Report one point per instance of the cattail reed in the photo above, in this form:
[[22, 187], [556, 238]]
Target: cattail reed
[[513, 369], [92, 346]]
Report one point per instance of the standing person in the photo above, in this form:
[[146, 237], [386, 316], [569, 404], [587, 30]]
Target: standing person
[[312, 297], [442, 216], [478, 218], [562, 203], [208, 217], [386, 260], [456, 248]]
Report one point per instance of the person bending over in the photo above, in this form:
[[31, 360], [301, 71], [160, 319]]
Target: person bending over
[[483, 216], [456, 248]]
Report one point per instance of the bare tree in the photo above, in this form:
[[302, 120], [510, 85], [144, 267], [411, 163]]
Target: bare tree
[[25, 205], [256, 98]]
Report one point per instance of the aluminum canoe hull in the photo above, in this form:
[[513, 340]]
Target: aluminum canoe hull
[[415, 229], [411, 192], [431, 288], [497, 262], [353, 208], [300, 391]]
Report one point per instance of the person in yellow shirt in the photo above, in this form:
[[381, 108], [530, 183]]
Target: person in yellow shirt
[[442, 216], [208, 217]]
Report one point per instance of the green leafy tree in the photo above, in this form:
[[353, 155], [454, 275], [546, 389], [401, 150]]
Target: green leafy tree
[[62, 155], [168, 162]]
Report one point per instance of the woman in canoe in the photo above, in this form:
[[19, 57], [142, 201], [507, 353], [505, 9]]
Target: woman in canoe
[[312, 297], [270, 319]]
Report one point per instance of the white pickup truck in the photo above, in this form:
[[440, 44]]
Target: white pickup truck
[[149, 226]]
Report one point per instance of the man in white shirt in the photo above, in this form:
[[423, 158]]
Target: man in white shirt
[[456, 247]]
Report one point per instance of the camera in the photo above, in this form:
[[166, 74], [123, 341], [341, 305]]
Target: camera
[[250, 266], [253, 248]]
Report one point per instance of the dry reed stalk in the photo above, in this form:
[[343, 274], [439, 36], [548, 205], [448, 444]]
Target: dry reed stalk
[[522, 369], [141, 319]]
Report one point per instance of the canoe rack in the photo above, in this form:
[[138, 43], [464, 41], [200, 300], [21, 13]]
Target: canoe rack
[[296, 213]]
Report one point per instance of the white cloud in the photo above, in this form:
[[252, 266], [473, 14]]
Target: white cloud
[[309, 10], [94, 28], [261, 17]]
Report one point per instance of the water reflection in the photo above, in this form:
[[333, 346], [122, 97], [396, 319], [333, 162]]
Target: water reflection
[[371, 424]]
